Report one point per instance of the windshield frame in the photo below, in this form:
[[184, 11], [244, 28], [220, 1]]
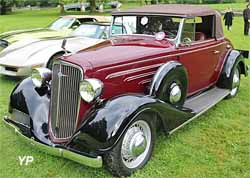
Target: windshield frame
[[175, 40]]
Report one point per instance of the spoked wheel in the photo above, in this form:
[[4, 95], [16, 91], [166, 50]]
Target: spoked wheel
[[235, 82], [134, 149]]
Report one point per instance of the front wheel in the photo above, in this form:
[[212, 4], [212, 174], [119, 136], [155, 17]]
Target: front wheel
[[234, 82], [134, 149]]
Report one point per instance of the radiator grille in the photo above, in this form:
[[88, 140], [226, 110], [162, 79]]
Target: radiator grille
[[65, 99]]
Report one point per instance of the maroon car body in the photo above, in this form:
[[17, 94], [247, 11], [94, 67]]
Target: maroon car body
[[171, 64]]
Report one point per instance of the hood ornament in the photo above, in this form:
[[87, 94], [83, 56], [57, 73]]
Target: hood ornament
[[63, 46]]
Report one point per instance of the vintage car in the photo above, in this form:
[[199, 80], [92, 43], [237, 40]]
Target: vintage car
[[61, 27], [43, 52], [103, 105]]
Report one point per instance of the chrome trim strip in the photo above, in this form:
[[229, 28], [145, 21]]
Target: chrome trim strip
[[135, 77], [131, 71], [88, 161]]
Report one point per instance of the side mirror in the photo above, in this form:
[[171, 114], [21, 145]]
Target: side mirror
[[104, 36], [187, 41]]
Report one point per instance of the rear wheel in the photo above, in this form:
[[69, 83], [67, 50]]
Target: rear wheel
[[134, 149], [234, 82]]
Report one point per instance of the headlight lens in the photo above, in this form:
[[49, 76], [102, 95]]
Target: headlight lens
[[40, 76], [90, 89]]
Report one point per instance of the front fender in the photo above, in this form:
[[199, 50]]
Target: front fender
[[34, 102], [106, 123]]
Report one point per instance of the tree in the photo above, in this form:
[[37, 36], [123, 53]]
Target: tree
[[61, 4], [92, 5]]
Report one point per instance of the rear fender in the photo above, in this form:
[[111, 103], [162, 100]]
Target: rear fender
[[234, 58]]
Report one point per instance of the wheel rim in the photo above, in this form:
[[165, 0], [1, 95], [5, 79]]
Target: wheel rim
[[236, 82], [175, 93], [136, 144]]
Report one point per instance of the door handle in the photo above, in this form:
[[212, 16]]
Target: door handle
[[216, 52]]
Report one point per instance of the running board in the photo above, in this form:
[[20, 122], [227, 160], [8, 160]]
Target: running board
[[203, 102]]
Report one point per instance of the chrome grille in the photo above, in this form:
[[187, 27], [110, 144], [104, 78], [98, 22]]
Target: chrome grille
[[65, 99]]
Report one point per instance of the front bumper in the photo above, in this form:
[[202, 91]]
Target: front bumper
[[60, 152]]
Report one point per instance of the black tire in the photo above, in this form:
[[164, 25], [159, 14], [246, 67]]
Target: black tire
[[235, 87], [114, 161], [177, 76], [52, 60]]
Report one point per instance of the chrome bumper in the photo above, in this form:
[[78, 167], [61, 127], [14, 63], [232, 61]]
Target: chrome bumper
[[88, 161]]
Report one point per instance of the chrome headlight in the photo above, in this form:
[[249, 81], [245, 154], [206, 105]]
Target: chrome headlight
[[40, 76], [90, 89]]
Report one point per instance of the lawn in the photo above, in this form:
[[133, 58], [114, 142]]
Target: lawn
[[217, 145]]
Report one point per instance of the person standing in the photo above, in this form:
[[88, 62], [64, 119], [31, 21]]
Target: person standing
[[228, 18], [246, 15]]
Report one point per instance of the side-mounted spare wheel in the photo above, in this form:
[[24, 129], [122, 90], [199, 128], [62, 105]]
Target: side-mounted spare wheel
[[134, 148], [170, 84]]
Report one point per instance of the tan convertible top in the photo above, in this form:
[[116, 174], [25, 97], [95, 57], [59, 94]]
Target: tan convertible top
[[178, 10]]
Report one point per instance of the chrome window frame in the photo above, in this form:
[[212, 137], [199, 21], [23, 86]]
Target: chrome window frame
[[176, 40]]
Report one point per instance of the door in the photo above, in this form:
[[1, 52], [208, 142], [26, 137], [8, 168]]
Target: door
[[199, 52]]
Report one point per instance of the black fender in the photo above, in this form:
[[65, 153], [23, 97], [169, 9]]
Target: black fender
[[104, 125], [35, 103], [234, 58], [161, 73]]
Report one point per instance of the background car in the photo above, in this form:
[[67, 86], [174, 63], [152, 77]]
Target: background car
[[59, 28], [19, 61], [78, 6]]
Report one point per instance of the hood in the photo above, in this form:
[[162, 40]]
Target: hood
[[20, 53], [41, 33], [120, 50]]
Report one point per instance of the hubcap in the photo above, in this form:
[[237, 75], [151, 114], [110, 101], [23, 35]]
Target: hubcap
[[136, 144], [236, 82], [175, 93]]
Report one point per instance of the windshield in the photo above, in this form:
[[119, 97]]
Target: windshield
[[147, 25], [61, 23], [91, 31]]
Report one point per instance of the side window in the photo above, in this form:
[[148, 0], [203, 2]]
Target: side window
[[198, 29], [188, 31]]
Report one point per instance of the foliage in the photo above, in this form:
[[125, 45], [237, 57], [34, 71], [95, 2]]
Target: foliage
[[188, 1], [218, 1]]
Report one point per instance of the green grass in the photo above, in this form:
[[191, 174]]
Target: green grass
[[217, 145]]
